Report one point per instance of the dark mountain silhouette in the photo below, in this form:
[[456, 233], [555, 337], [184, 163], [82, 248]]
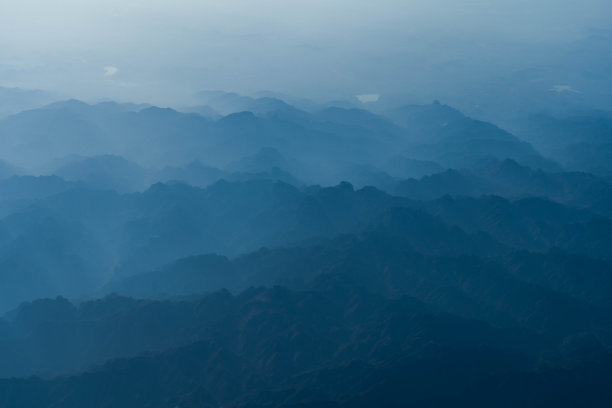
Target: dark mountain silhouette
[[268, 347], [390, 261]]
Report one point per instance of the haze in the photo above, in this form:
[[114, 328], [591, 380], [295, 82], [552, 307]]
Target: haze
[[161, 51], [324, 203]]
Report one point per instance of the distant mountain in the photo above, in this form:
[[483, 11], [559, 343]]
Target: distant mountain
[[510, 179], [326, 143], [358, 118], [123, 235], [224, 102], [39, 135], [105, 172], [365, 175], [43, 255], [264, 160], [444, 135], [529, 223], [20, 188], [194, 173], [85, 109], [402, 167], [581, 142], [202, 110], [227, 103], [449, 182], [274, 174], [15, 100], [7, 170]]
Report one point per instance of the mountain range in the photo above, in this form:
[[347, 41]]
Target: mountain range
[[255, 251]]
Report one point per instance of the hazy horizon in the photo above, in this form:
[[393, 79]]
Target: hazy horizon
[[161, 52]]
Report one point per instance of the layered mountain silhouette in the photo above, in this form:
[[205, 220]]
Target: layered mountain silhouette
[[262, 251], [324, 140]]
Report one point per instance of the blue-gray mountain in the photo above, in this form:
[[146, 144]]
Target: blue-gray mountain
[[246, 252]]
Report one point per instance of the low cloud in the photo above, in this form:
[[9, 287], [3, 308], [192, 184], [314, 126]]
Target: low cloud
[[364, 98], [563, 88], [110, 71]]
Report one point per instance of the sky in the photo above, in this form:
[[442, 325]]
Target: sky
[[156, 51]]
